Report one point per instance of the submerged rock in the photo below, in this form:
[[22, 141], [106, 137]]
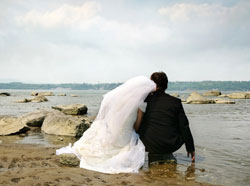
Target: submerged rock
[[4, 94], [75, 109], [11, 125], [239, 95], [69, 160], [42, 94], [224, 101], [175, 95], [25, 100], [65, 125], [212, 93], [196, 98], [61, 94], [223, 95]]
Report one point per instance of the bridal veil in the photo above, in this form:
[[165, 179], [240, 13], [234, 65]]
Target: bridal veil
[[111, 145]]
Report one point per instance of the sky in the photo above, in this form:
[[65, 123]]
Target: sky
[[103, 41]]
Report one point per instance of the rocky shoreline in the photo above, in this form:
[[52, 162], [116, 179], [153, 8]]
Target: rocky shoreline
[[66, 120], [71, 120]]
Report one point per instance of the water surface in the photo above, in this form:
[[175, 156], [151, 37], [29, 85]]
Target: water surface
[[221, 134]]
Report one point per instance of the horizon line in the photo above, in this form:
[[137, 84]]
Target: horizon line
[[122, 82]]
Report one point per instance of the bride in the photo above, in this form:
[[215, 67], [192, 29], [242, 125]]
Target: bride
[[111, 144]]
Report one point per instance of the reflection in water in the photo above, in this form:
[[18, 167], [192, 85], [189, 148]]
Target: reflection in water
[[190, 172], [171, 170], [163, 171], [36, 136]]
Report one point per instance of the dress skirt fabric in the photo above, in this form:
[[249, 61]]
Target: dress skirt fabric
[[111, 145]]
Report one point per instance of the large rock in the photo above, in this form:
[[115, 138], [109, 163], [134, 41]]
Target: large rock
[[239, 95], [87, 119], [35, 119], [65, 125], [196, 98], [11, 125], [42, 94], [223, 95], [75, 109], [212, 93], [4, 94], [38, 99], [224, 101], [69, 160]]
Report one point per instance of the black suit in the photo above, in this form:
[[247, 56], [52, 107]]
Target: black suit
[[165, 127]]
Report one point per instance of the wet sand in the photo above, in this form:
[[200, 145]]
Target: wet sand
[[25, 164]]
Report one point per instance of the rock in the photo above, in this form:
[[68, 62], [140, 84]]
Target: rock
[[38, 99], [212, 93], [11, 125], [196, 98], [61, 94], [42, 94], [34, 93], [223, 95], [23, 100], [65, 125], [69, 160], [87, 119], [183, 100], [239, 95], [175, 95], [75, 109], [35, 119], [4, 94], [248, 95], [74, 95], [224, 101]]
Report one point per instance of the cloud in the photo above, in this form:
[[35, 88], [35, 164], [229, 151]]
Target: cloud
[[208, 26], [86, 18], [76, 41], [188, 12], [65, 15]]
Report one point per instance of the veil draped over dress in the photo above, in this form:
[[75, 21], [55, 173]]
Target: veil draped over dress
[[111, 144]]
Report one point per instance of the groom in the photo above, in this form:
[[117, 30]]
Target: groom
[[164, 128]]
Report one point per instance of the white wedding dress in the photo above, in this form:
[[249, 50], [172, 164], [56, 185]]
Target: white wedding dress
[[111, 144]]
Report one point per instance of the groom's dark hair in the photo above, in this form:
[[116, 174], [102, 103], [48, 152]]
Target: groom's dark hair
[[161, 80]]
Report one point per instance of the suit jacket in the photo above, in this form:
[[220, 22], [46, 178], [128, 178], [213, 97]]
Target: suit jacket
[[165, 127]]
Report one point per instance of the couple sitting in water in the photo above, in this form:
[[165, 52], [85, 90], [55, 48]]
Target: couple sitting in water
[[139, 106]]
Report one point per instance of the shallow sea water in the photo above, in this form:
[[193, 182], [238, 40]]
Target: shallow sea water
[[221, 133]]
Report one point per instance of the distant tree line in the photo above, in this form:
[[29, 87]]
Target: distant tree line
[[209, 85], [178, 85]]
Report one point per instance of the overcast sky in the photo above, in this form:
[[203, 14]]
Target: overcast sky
[[76, 41]]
